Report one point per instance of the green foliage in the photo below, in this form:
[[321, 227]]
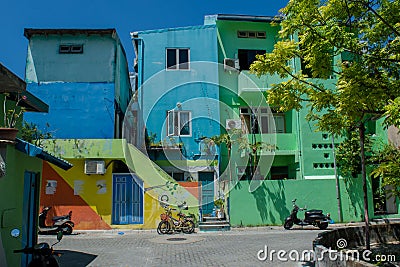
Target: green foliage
[[388, 167], [392, 112], [219, 202], [12, 113], [32, 134], [348, 155], [150, 139], [340, 59], [357, 42]]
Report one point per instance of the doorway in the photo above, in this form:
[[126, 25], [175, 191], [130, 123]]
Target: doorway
[[30, 213], [127, 199], [206, 180]]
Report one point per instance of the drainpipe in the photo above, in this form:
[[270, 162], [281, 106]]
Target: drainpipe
[[299, 137], [139, 50], [299, 144]]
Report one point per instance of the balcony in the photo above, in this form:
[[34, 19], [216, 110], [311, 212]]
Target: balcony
[[249, 83], [286, 143]]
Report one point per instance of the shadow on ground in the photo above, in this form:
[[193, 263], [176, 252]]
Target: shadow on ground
[[75, 258]]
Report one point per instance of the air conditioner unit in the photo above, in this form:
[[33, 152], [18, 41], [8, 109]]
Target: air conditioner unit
[[95, 167], [231, 64], [233, 124]]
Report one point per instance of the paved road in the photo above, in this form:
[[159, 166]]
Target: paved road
[[238, 247]]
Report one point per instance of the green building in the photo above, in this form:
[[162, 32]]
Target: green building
[[294, 161]]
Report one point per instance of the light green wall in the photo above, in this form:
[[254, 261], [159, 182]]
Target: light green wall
[[85, 148], [228, 32], [271, 203], [11, 200]]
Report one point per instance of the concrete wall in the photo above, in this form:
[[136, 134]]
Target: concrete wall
[[354, 238]]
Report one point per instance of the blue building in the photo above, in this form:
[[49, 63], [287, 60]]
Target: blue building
[[83, 75], [178, 97]]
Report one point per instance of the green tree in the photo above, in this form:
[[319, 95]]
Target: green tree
[[228, 140], [349, 53], [32, 134], [388, 167]]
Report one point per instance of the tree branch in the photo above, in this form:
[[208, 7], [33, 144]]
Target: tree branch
[[378, 16], [303, 81]]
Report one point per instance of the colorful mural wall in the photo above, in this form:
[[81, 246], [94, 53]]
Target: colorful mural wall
[[95, 199]]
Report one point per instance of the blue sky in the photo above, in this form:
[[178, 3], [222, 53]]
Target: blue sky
[[125, 16]]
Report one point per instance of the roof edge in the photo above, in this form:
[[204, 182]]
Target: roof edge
[[35, 151], [249, 18], [134, 34], [29, 32]]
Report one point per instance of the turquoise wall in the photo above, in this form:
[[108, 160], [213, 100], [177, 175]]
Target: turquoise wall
[[195, 89]]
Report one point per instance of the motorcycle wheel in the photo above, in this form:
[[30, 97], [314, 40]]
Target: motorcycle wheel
[[163, 228], [67, 229], [188, 227], [49, 261], [323, 225], [288, 224]]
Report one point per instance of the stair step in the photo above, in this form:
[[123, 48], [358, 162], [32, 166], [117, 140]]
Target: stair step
[[214, 227], [212, 219], [213, 222]]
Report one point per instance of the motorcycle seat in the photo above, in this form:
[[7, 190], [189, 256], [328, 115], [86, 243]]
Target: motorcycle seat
[[311, 212], [56, 218]]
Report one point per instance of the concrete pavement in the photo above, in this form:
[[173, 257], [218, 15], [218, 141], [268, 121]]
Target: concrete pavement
[[238, 247]]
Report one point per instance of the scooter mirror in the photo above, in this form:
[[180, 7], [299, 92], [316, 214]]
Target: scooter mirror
[[15, 232], [294, 200], [59, 235]]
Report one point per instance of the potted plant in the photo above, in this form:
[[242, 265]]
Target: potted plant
[[11, 115], [219, 204]]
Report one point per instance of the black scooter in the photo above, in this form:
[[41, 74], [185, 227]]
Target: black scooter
[[60, 223], [312, 217], [43, 254]]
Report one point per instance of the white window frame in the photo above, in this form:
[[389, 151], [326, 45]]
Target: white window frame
[[178, 64], [263, 112], [176, 130]]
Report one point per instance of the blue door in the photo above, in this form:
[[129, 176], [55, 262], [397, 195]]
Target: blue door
[[30, 213], [207, 191], [127, 199]]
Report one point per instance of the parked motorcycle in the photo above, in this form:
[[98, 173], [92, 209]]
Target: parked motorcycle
[[43, 254], [60, 223], [312, 217]]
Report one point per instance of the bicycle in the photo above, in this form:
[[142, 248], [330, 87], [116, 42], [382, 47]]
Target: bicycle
[[169, 224]]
